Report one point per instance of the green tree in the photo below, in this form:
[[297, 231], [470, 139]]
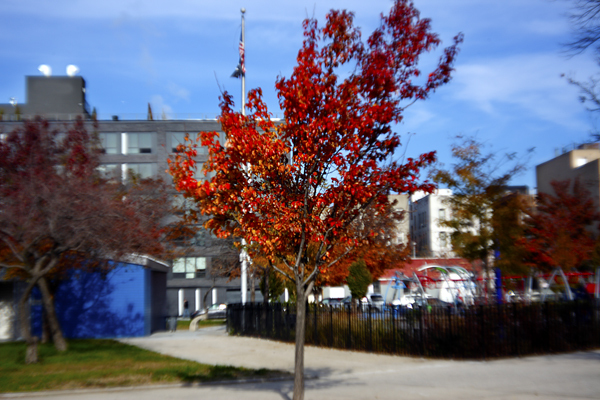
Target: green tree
[[358, 280], [271, 285], [478, 182], [509, 230]]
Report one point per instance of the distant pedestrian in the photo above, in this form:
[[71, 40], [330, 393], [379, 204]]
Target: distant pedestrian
[[186, 309]]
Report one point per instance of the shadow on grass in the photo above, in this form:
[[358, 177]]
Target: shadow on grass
[[227, 373], [283, 386]]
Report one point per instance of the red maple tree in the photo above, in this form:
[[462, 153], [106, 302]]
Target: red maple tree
[[557, 233], [58, 212], [294, 188]]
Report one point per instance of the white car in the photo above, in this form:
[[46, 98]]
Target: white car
[[216, 311]]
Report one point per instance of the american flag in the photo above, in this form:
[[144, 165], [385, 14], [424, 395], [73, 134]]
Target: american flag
[[240, 70]]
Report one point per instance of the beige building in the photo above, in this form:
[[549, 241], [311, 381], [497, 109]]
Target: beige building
[[428, 235], [582, 163], [402, 230]]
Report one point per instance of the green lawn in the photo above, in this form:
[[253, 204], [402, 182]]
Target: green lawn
[[104, 363], [184, 324]]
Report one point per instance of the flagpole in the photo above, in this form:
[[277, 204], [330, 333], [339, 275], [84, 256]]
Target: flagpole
[[244, 255], [243, 10]]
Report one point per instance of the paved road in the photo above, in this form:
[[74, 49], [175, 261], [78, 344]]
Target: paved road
[[353, 375]]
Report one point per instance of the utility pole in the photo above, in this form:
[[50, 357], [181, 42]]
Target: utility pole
[[244, 253]]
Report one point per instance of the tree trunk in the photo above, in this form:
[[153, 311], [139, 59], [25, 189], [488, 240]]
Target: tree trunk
[[206, 296], [487, 268], [45, 329], [300, 336], [31, 354], [48, 301]]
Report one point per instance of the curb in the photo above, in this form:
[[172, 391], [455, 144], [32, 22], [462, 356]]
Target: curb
[[17, 395]]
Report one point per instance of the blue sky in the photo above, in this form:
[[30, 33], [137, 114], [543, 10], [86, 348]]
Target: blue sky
[[507, 88]]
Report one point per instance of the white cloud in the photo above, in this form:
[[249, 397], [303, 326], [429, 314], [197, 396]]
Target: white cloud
[[531, 82], [178, 91], [159, 107]]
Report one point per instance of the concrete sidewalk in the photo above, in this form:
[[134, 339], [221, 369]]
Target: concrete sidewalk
[[354, 375]]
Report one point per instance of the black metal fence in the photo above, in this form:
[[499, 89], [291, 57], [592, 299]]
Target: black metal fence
[[477, 332]]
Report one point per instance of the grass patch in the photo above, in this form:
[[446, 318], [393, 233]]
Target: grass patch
[[211, 322], [184, 325], [105, 363]]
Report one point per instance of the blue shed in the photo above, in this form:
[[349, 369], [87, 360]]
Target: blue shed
[[129, 300]]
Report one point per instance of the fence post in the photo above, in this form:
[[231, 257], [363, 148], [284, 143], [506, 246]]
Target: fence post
[[393, 330], [421, 331], [546, 316], [595, 331], [578, 325], [349, 337], [515, 334], [316, 331], [482, 322], [370, 328], [330, 326], [287, 322]]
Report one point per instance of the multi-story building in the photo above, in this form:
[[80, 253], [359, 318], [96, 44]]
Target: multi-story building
[[403, 229], [141, 147], [581, 163], [429, 237]]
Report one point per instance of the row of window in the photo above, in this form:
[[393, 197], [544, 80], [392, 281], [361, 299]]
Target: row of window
[[142, 170], [444, 240], [124, 171], [140, 142], [189, 267], [419, 220]]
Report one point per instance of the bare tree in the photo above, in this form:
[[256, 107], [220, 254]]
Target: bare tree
[[585, 22], [57, 213]]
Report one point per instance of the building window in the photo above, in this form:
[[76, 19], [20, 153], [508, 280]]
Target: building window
[[140, 143], [198, 173], [142, 170], [110, 171], [111, 143], [179, 266], [442, 214], [190, 267], [443, 240], [178, 138], [376, 286]]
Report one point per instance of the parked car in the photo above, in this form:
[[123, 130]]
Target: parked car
[[332, 302], [216, 311], [375, 300], [348, 300]]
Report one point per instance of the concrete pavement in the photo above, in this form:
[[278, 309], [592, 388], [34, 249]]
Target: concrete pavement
[[354, 375]]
